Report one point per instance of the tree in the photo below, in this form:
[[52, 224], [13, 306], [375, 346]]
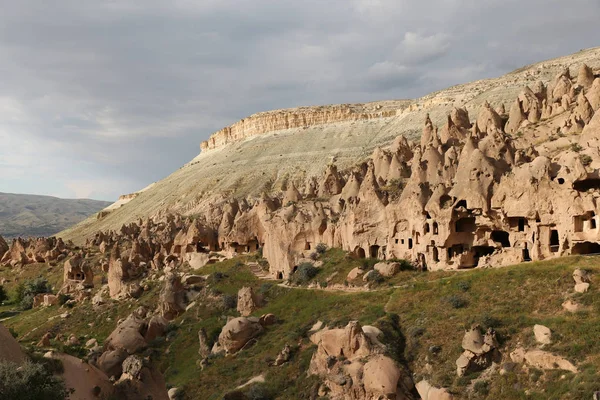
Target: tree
[[3, 295], [29, 382]]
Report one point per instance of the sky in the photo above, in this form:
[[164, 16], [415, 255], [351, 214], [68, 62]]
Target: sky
[[102, 97]]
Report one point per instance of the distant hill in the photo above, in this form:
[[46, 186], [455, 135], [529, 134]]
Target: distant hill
[[32, 215]]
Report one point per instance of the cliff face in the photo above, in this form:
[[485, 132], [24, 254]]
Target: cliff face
[[303, 117]]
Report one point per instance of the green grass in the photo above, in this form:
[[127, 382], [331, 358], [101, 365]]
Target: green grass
[[510, 299]]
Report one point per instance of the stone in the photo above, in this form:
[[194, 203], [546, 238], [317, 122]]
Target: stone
[[387, 269], [171, 300], [354, 273], [542, 334], [283, 356], [174, 393], [545, 360], [247, 301], [582, 287], [381, 376], [479, 351], [571, 306], [267, 320], [581, 276], [132, 367], [45, 340], [429, 392], [204, 349], [238, 332]]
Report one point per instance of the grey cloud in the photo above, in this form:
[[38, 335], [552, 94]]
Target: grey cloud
[[105, 97]]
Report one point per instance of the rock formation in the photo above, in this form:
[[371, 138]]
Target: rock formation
[[354, 366], [78, 275], [237, 333], [247, 301], [479, 351]]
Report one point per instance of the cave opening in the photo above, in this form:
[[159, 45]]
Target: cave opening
[[586, 248], [554, 241], [373, 251], [466, 224], [586, 184], [360, 252], [501, 237]]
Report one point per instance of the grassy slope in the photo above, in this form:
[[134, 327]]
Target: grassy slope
[[511, 299], [31, 215]]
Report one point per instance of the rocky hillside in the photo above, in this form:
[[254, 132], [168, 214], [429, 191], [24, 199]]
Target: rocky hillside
[[265, 151], [223, 331], [30, 215], [298, 276]]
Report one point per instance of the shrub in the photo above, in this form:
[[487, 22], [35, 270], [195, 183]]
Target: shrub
[[457, 301], [63, 298], [585, 159], [29, 382], [260, 392], [576, 147], [321, 248], [3, 295], [314, 256], [375, 277], [28, 290], [229, 301], [481, 387], [464, 286], [304, 273], [488, 321], [367, 264], [264, 288]]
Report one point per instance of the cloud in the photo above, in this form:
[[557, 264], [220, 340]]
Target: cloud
[[102, 98], [418, 49]]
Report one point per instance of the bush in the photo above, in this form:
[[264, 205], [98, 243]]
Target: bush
[[29, 382], [304, 273], [481, 387], [3, 295], [457, 301], [585, 159], [375, 277], [321, 248], [464, 286], [260, 392], [63, 298], [367, 264], [229, 301], [576, 147], [28, 290], [264, 288], [314, 256]]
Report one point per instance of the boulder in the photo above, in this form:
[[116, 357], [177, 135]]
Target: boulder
[[582, 287], [581, 276], [237, 332], [428, 392], [387, 269], [542, 359], [542, 334], [267, 319], [381, 376], [354, 273], [571, 306]]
